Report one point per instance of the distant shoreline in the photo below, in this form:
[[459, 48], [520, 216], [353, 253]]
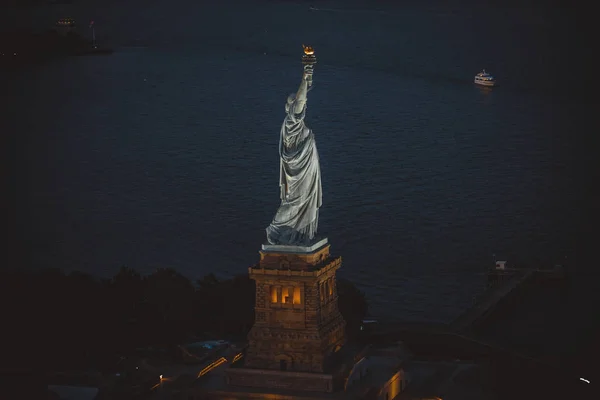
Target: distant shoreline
[[21, 48]]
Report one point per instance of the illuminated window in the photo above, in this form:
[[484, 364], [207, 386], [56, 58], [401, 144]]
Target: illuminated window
[[285, 295], [296, 295], [330, 286], [273, 294]]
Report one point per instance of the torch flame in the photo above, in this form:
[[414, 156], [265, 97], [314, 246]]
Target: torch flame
[[308, 50]]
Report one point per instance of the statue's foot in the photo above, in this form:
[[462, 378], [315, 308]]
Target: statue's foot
[[286, 236]]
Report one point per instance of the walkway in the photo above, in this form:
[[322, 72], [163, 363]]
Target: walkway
[[490, 300]]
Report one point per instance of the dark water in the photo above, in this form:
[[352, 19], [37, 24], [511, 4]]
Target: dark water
[[165, 153]]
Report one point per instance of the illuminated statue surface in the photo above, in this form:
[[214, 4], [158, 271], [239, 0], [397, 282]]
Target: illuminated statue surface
[[297, 218]]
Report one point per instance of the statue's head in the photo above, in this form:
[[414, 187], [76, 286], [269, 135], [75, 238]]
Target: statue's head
[[289, 102]]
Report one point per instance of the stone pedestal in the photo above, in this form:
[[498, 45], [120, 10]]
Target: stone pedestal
[[298, 326]]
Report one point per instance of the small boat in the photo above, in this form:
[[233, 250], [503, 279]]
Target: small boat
[[485, 79]]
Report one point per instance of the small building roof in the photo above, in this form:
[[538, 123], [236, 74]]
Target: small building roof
[[74, 392]]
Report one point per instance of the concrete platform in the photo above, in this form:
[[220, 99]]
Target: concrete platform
[[277, 248]]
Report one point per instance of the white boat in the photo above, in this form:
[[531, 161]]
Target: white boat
[[485, 79]]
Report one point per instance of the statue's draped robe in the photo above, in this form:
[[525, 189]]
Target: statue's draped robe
[[297, 218]]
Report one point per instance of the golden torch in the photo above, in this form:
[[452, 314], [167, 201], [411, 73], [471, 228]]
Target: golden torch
[[309, 60]]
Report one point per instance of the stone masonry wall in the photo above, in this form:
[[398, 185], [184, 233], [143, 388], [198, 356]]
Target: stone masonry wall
[[297, 337]]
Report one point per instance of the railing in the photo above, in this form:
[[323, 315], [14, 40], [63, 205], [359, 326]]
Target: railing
[[212, 366], [256, 269]]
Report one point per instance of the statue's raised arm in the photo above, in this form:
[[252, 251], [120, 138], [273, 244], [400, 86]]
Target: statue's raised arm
[[301, 94], [297, 218]]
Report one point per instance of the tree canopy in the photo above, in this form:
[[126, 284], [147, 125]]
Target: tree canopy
[[72, 319]]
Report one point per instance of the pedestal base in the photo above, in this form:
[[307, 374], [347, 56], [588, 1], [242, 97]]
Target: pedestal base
[[297, 322], [278, 248], [294, 258]]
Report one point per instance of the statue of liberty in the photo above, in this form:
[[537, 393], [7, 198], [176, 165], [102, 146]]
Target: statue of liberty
[[297, 218]]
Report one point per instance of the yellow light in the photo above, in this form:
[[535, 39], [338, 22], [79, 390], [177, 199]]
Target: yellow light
[[212, 366], [296, 295], [308, 50], [285, 294], [273, 294]]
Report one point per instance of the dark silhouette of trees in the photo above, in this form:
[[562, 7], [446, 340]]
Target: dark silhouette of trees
[[207, 281], [170, 297], [227, 308], [352, 304], [74, 320]]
